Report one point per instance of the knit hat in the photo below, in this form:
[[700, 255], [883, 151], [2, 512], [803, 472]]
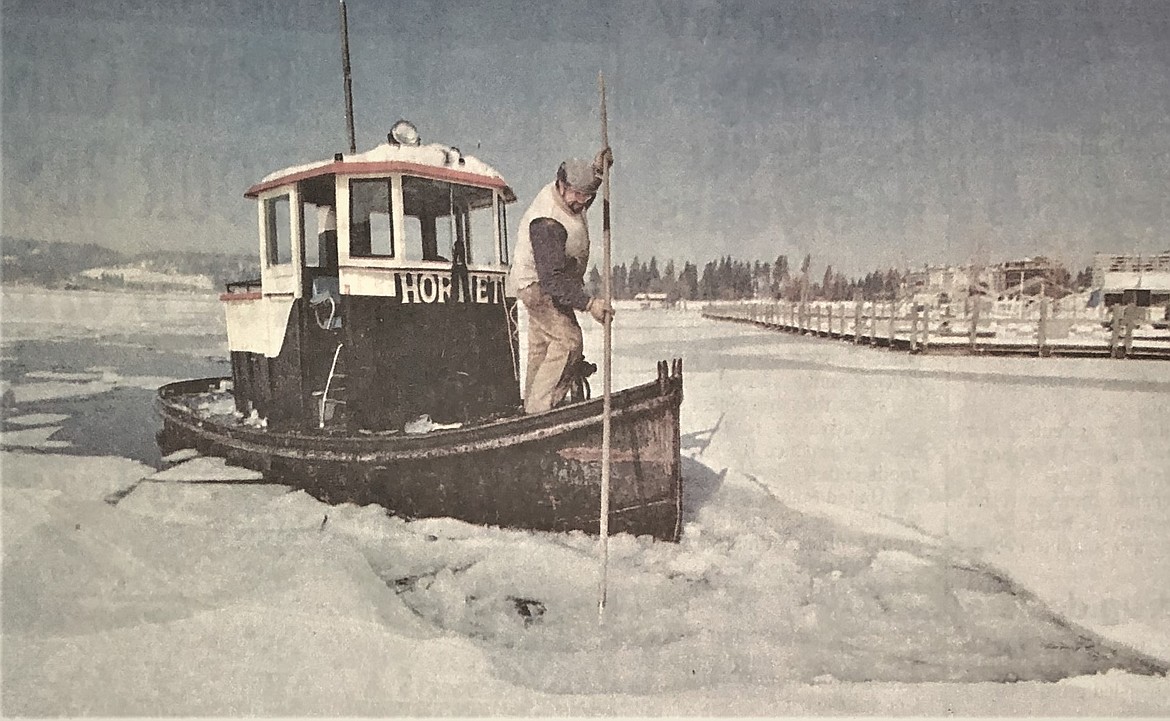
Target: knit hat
[[579, 175]]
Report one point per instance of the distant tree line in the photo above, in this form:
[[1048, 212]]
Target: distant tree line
[[55, 264], [729, 278]]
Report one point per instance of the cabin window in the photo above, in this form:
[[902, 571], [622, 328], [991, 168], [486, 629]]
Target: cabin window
[[371, 219], [503, 221], [413, 242], [278, 230], [320, 241], [443, 216], [309, 222], [481, 233]]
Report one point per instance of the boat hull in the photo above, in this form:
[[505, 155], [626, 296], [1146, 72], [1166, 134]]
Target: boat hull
[[539, 472]]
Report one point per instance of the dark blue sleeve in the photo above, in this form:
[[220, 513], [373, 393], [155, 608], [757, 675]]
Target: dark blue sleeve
[[553, 267]]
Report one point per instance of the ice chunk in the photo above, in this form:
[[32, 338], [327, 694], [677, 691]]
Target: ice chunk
[[183, 454], [206, 470], [38, 419], [424, 424]]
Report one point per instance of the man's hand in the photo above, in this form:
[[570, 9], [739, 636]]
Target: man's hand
[[604, 160], [599, 309]]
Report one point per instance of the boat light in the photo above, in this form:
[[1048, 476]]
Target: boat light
[[403, 133]]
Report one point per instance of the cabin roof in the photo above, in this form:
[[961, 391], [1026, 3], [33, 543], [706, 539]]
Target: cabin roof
[[435, 161]]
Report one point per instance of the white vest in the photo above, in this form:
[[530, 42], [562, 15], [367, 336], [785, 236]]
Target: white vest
[[547, 204]]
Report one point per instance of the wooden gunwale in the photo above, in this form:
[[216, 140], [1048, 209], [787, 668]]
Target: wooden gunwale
[[654, 397]]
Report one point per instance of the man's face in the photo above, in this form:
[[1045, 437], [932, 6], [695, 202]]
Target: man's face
[[575, 200]]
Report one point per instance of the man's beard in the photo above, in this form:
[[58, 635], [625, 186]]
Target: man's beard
[[576, 207]]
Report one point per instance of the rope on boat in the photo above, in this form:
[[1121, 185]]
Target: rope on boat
[[332, 314], [328, 382], [511, 325]]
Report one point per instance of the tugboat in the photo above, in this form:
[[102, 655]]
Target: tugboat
[[376, 360]]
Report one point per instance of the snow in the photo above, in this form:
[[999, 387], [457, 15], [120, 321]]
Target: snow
[[433, 154], [866, 533], [142, 276]]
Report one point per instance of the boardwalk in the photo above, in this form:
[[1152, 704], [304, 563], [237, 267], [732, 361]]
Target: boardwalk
[[1120, 332]]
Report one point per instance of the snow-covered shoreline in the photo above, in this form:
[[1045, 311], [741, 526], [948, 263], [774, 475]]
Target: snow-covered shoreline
[[866, 534]]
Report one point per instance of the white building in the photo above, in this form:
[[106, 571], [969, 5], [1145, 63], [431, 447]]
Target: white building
[[652, 300], [946, 283], [1143, 280]]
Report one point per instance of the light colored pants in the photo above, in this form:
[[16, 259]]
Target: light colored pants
[[554, 350]]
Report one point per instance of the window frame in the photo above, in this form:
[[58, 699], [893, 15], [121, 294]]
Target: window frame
[[344, 183]]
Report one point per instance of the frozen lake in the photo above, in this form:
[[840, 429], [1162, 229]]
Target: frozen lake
[[867, 532], [1056, 469]]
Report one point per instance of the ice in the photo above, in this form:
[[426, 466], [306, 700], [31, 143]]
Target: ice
[[34, 392], [224, 406], [37, 419], [37, 314], [424, 424], [184, 454], [255, 421], [57, 376], [89, 478], [40, 437], [79, 385], [209, 470], [865, 533]]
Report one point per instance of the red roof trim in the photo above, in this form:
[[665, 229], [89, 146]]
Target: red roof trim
[[385, 166], [241, 296]]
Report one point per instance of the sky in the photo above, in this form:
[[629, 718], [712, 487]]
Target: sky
[[886, 133]]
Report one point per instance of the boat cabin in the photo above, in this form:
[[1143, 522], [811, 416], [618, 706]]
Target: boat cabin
[[381, 295]]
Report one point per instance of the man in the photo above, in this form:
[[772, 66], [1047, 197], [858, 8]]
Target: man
[[548, 275]]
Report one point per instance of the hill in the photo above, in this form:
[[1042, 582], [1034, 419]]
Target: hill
[[58, 265]]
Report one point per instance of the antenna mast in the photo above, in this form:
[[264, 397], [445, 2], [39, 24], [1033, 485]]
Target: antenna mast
[[347, 76]]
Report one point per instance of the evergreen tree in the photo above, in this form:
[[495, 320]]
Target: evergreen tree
[[634, 281], [841, 287], [709, 284], [746, 286], [779, 275], [689, 281], [593, 285], [806, 289], [890, 283], [668, 283], [620, 288]]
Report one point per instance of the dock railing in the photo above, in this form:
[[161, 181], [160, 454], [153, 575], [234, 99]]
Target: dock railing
[[1040, 326]]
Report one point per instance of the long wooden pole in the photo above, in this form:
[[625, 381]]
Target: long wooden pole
[[347, 77], [607, 353]]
